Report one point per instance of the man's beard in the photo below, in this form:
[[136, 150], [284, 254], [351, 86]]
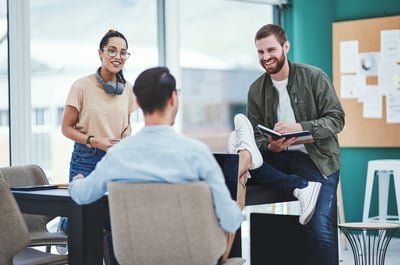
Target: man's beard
[[278, 67]]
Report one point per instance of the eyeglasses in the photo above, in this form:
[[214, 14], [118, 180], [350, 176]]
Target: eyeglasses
[[113, 53]]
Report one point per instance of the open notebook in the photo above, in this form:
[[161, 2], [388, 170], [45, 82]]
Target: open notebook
[[229, 164]]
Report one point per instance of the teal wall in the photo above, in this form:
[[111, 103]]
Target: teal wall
[[309, 27]]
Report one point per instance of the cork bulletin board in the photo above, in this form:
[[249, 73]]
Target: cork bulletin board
[[360, 131]]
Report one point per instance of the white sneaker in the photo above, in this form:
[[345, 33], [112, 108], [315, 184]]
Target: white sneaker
[[234, 147], [308, 199], [245, 138]]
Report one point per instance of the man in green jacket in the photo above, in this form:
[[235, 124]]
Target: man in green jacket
[[292, 97]]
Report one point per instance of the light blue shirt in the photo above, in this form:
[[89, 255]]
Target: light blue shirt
[[160, 154]]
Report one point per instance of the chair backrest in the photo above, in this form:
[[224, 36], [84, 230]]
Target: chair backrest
[[23, 175], [158, 223], [27, 175], [14, 235]]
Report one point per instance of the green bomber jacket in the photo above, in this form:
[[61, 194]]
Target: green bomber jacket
[[316, 107]]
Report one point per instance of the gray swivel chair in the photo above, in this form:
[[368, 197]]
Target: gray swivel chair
[[155, 223], [33, 175], [14, 236]]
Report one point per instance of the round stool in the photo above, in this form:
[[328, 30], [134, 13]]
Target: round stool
[[369, 241], [384, 168]]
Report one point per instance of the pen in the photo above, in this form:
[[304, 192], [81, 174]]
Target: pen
[[284, 118]]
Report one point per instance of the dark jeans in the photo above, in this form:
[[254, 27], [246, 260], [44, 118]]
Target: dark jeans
[[84, 160], [288, 170]]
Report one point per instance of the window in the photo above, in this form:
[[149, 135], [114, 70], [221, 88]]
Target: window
[[60, 114], [67, 49], [218, 61], [217, 58], [40, 116], [4, 106], [4, 118]]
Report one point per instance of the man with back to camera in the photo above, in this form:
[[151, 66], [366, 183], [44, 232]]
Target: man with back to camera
[[292, 97], [157, 153]]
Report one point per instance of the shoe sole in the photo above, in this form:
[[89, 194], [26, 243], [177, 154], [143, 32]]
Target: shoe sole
[[231, 147], [308, 213], [62, 249], [257, 153]]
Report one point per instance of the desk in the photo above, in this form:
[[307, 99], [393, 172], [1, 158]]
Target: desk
[[369, 241], [85, 222]]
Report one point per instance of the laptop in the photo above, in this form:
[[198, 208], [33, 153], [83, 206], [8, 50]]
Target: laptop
[[229, 164], [34, 187]]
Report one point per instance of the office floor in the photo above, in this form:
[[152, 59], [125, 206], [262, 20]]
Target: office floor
[[345, 255]]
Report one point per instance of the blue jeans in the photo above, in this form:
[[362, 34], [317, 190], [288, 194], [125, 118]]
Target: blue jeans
[[289, 170], [83, 161]]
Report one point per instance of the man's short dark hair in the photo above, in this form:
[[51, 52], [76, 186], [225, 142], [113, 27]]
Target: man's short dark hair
[[272, 29], [153, 87]]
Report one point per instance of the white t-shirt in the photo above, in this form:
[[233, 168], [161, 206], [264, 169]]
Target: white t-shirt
[[285, 111]]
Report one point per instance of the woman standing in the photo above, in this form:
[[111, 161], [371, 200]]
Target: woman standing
[[98, 106], [97, 112]]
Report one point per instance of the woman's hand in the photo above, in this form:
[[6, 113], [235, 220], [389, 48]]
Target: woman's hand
[[103, 143]]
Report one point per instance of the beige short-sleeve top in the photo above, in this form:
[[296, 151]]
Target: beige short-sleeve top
[[101, 114]]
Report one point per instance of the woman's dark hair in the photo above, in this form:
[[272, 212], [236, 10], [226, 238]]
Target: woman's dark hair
[[104, 41], [153, 87], [272, 29]]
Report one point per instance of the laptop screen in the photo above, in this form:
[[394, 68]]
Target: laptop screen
[[229, 164]]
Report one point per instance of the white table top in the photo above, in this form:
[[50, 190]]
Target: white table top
[[369, 225]]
